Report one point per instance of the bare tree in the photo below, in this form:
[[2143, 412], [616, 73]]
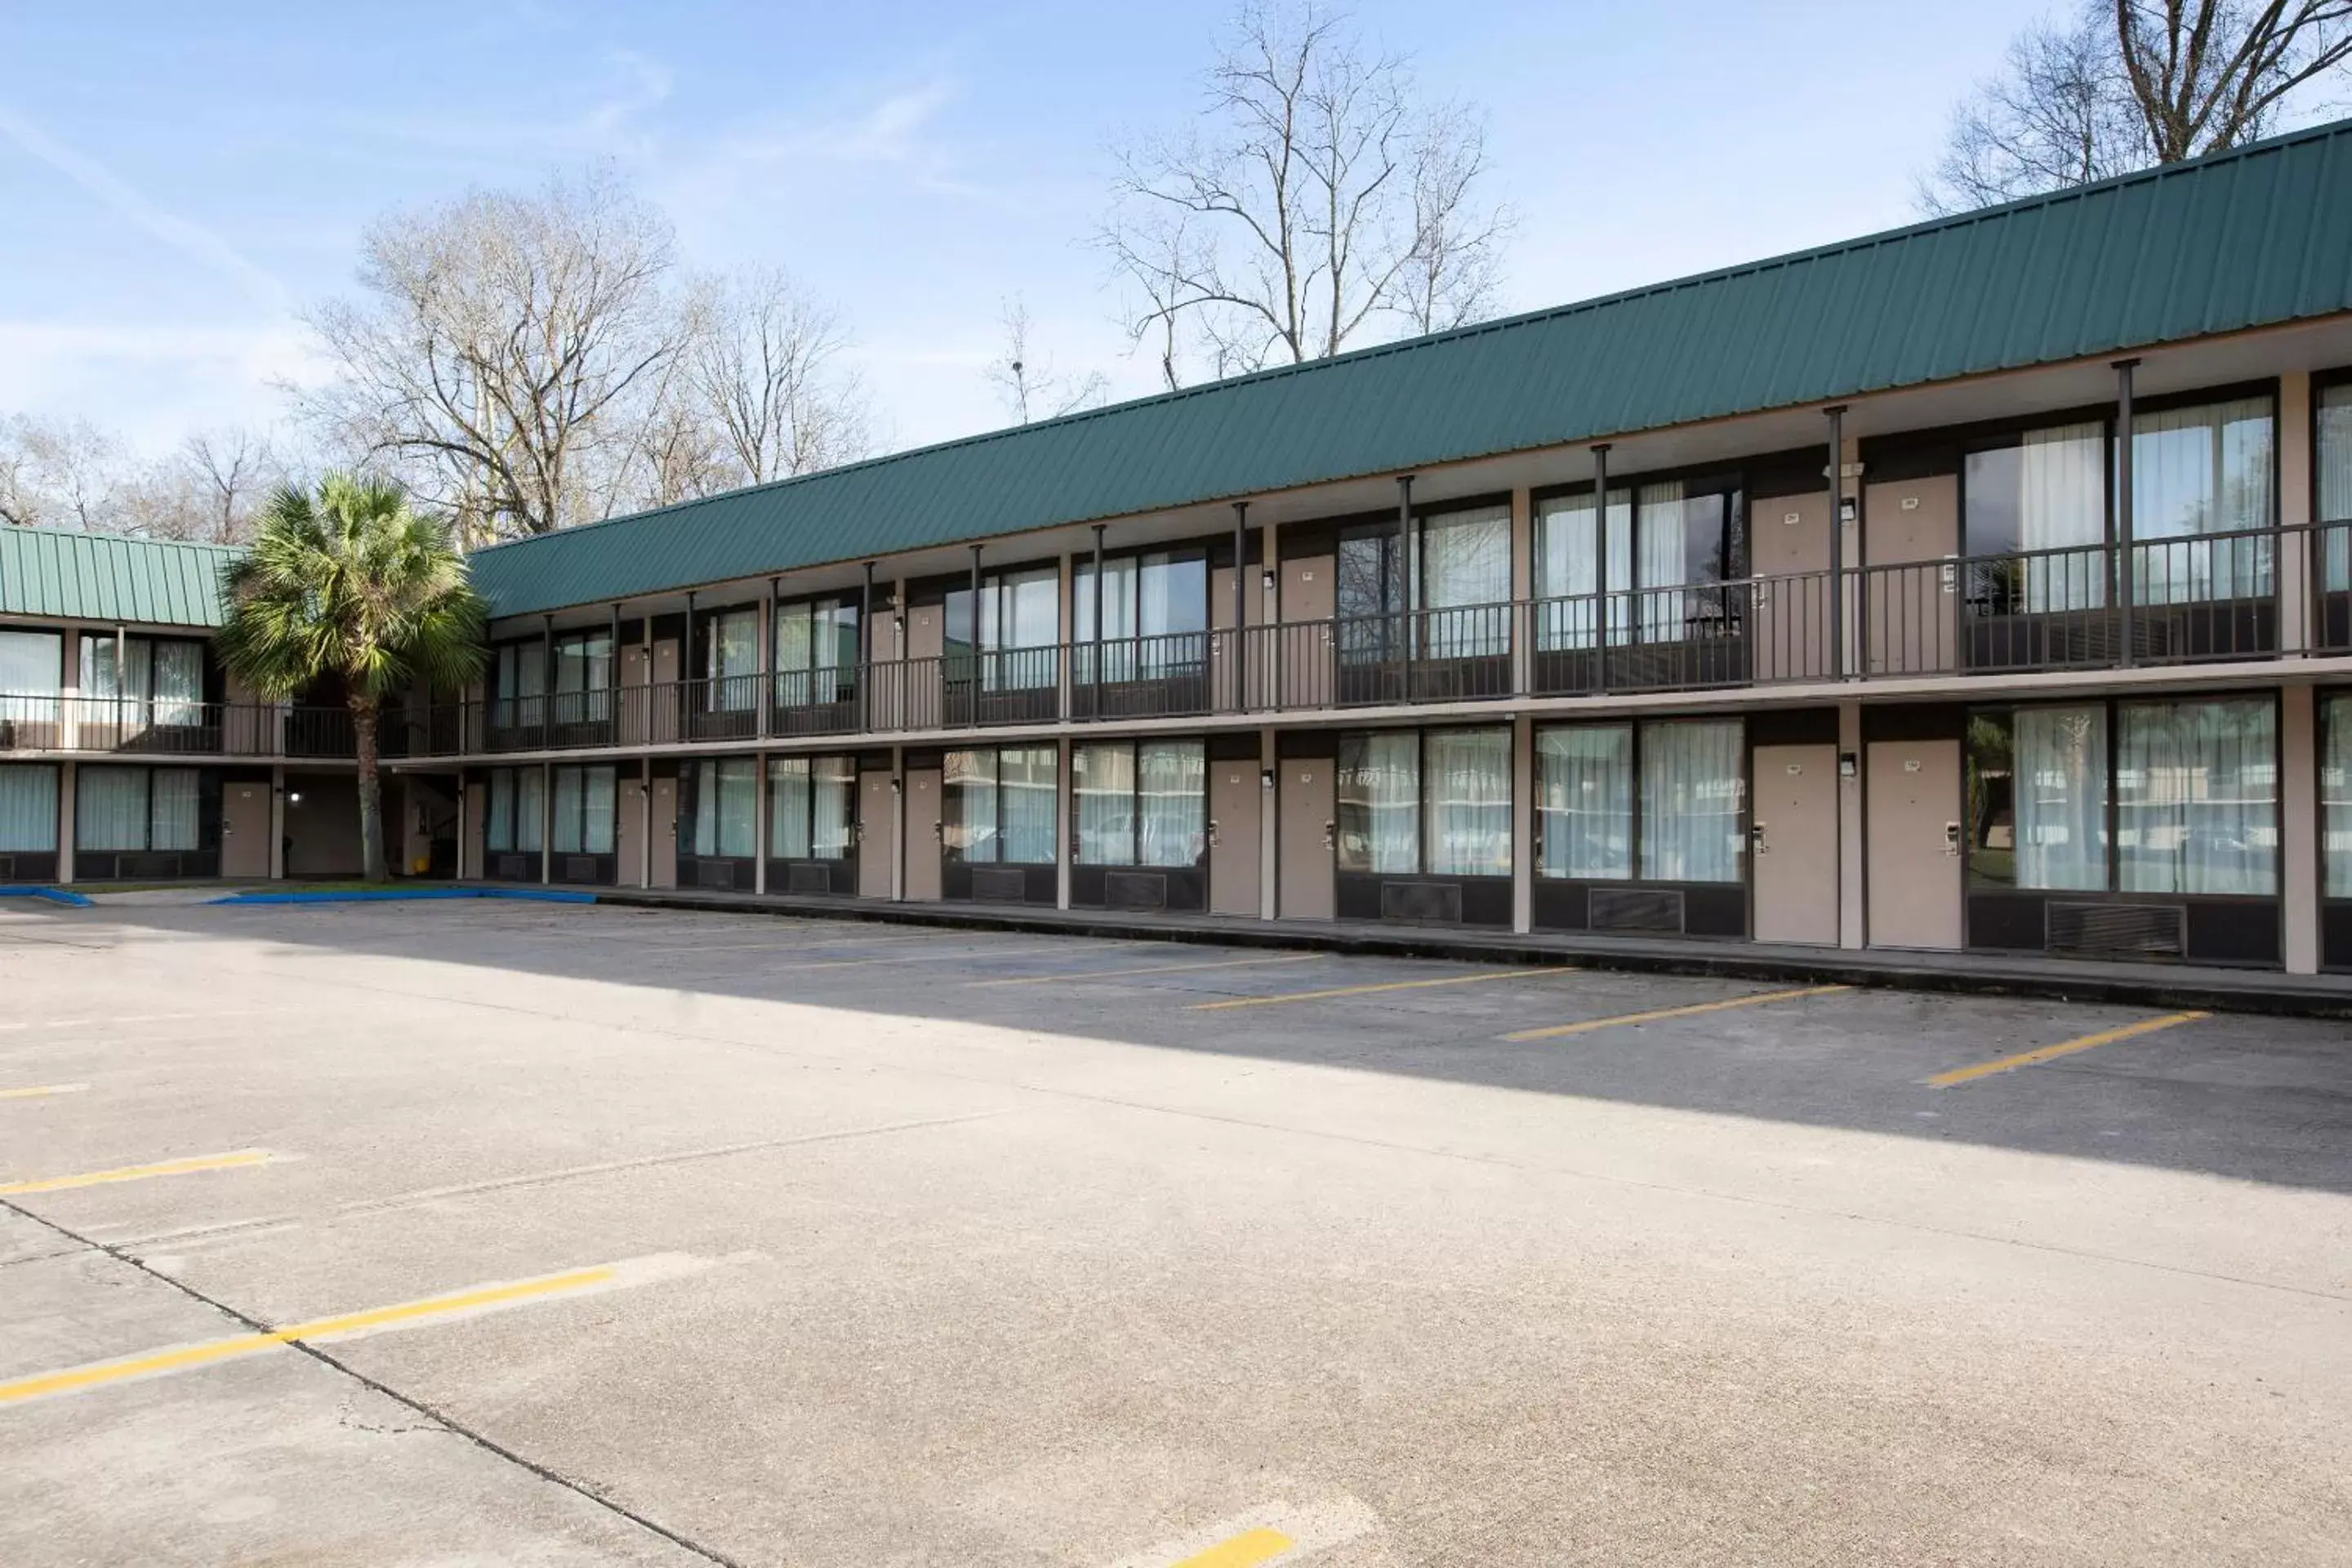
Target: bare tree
[[502, 347], [231, 472], [1316, 195], [61, 473], [762, 367], [2121, 84], [1027, 382]]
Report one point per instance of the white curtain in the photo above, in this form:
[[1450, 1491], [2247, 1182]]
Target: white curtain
[[29, 809], [110, 808], [567, 792], [178, 672], [174, 810], [833, 807], [30, 677], [599, 797], [1465, 578], [2059, 785], [1470, 803], [1025, 776], [1566, 563], [968, 833], [497, 833], [1103, 776], [2200, 471], [2197, 798], [2336, 483], [789, 792], [1020, 623], [1664, 556], [2336, 794], [1171, 812], [530, 810], [1379, 803], [2062, 505], [1693, 784], [1584, 800], [734, 656]]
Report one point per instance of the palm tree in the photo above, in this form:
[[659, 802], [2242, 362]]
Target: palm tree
[[350, 584]]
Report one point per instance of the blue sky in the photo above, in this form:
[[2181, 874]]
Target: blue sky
[[177, 181]]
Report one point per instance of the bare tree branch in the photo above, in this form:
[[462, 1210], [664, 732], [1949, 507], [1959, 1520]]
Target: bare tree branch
[[1027, 382]]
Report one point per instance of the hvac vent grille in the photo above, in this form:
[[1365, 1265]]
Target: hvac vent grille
[[719, 875], [1422, 903], [146, 865], [801, 877], [1135, 889], [580, 868], [2118, 931], [8, 868], [514, 868], [1657, 909], [1000, 885]]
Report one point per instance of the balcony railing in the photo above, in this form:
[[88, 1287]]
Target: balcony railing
[[2183, 601], [167, 727]]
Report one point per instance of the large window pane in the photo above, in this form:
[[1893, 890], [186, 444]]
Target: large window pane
[[31, 678], [2335, 438], [2336, 794], [833, 806], [1026, 778], [2046, 498], [2038, 798], [497, 832], [2197, 798], [739, 807], [1469, 803], [172, 810], [1379, 803], [2199, 471], [531, 810], [1567, 563], [177, 670], [599, 797], [1584, 800], [568, 788], [790, 787], [968, 808], [1171, 793], [110, 808], [1466, 582], [1692, 788], [733, 660], [29, 809], [1103, 778]]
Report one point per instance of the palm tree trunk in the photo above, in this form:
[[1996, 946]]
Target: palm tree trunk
[[363, 735]]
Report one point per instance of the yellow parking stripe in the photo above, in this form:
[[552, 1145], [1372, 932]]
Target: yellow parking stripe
[[1242, 1552], [90, 1376], [1587, 1025], [1369, 990], [42, 1091], [2064, 1048], [230, 1162], [1154, 969]]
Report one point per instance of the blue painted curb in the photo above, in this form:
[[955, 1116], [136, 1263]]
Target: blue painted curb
[[386, 895], [55, 895]]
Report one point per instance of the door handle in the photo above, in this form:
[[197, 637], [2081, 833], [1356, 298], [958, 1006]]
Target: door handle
[[1756, 833], [1952, 839], [1330, 835], [1213, 832]]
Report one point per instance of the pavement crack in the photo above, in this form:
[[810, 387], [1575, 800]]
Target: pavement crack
[[482, 1440]]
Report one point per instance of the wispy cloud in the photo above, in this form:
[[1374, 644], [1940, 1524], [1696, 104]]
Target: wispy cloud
[[185, 235]]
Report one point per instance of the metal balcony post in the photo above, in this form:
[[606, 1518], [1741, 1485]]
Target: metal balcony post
[[1601, 568], [1836, 413], [1239, 663], [1404, 574], [865, 664], [2125, 585], [1094, 674]]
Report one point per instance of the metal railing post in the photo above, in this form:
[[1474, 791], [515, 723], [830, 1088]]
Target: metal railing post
[[2125, 593], [1836, 413]]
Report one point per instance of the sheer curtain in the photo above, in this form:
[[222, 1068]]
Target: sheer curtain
[[1025, 775], [530, 810], [2197, 796], [1465, 570], [833, 806], [1584, 800], [1664, 555], [1103, 778], [173, 809], [1171, 788], [1692, 787], [497, 833], [178, 672], [599, 797], [2059, 776], [2062, 505], [1118, 622], [969, 830], [2199, 471], [1379, 803], [110, 808], [1470, 803], [2335, 438], [1565, 566], [29, 809], [30, 677], [569, 793], [790, 792], [2336, 794], [734, 656]]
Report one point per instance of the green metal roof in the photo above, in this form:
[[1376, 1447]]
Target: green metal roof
[[105, 577]]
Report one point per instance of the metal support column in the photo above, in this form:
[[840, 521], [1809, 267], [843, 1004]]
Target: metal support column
[[546, 680], [1404, 575], [1239, 662], [1601, 568], [2125, 562], [863, 670], [1094, 673], [1836, 413]]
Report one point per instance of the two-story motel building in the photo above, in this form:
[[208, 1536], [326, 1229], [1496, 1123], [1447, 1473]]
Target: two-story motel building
[[1985, 586]]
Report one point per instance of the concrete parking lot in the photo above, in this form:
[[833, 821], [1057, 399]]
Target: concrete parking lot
[[505, 1233]]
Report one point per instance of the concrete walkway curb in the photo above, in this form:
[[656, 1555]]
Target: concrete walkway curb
[[2170, 987], [399, 895], [66, 896]]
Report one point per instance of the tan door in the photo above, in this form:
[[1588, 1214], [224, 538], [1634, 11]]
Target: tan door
[[1303, 653], [922, 684], [663, 709], [665, 833], [924, 805], [1789, 541], [1308, 829], [1914, 595], [878, 833], [1913, 833], [469, 847], [628, 843], [1794, 829], [1234, 812], [245, 830]]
